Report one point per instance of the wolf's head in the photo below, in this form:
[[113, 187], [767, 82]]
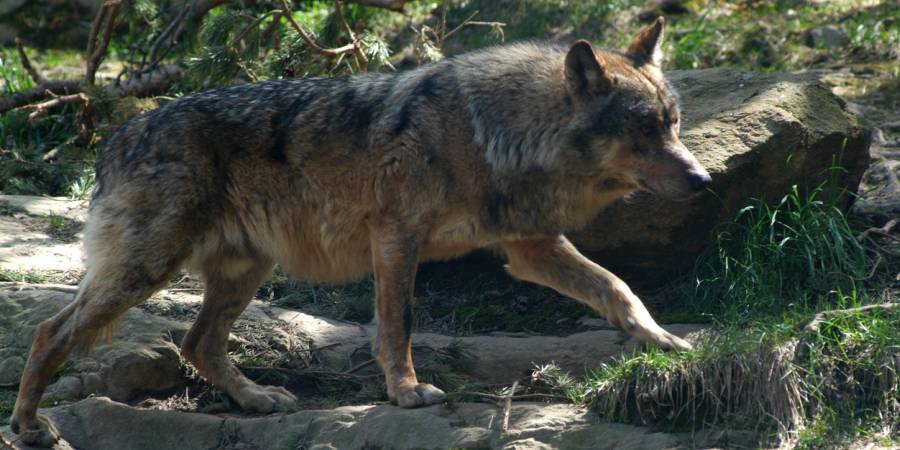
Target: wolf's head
[[628, 120]]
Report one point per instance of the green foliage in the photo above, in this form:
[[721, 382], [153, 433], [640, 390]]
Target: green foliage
[[14, 78], [7, 402], [23, 276], [772, 258], [852, 376]]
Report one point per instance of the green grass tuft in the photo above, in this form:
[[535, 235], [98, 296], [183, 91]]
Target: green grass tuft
[[800, 253]]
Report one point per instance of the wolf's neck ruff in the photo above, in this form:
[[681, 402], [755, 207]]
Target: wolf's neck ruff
[[519, 105]]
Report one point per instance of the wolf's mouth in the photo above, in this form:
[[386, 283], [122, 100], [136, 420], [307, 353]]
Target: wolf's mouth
[[668, 194]]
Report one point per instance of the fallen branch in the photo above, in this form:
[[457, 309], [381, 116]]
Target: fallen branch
[[813, 325], [360, 366], [504, 422], [884, 230], [21, 286], [40, 109], [26, 64], [493, 397], [38, 93]]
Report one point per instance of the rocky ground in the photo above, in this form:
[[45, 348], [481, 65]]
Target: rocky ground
[[142, 395]]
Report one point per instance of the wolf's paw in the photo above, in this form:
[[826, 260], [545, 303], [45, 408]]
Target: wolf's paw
[[423, 394], [41, 434], [266, 399], [668, 341]]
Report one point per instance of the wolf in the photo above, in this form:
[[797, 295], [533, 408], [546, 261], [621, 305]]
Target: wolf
[[335, 178]]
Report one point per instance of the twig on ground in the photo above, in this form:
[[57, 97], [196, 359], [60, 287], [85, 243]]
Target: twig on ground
[[504, 421], [813, 325], [487, 396], [360, 366], [54, 152], [26, 64], [21, 286], [884, 230]]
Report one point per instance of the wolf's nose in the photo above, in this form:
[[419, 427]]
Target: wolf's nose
[[699, 180]]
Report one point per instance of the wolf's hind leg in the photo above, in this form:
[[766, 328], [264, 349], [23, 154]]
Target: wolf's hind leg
[[554, 262], [230, 285], [112, 286]]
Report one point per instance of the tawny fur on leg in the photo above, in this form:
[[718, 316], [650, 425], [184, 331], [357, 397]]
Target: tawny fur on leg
[[100, 301], [554, 262], [394, 257], [228, 291]]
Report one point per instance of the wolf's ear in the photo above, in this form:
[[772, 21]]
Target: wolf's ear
[[646, 45], [584, 73]]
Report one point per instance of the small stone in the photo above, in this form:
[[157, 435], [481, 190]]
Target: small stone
[[67, 388], [827, 36], [11, 369], [92, 383]]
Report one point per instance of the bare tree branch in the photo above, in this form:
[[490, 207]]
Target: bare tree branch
[[40, 109], [26, 64], [393, 5], [329, 52], [154, 56], [362, 62], [106, 19], [254, 24]]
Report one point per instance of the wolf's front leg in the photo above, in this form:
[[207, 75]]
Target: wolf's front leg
[[394, 259], [554, 262]]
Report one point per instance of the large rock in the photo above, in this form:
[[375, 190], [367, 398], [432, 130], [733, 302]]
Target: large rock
[[757, 134], [140, 357], [100, 424]]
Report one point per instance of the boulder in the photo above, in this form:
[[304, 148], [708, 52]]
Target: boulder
[[827, 36], [757, 134], [140, 357], [101, 424]]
